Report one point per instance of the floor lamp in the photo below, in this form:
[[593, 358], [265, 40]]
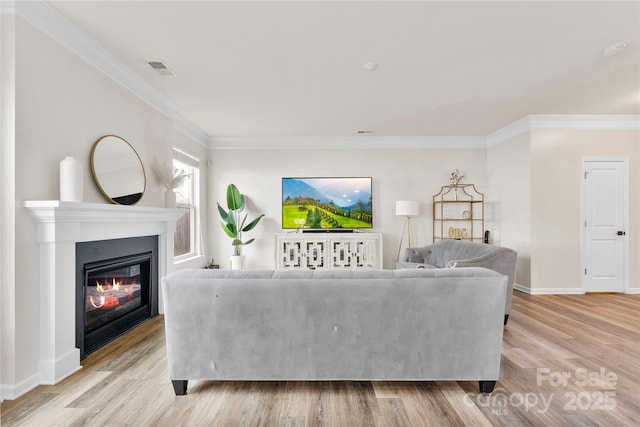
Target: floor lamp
[[406, 208]]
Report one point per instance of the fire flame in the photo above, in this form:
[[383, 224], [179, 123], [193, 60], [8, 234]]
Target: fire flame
[[109, 293]]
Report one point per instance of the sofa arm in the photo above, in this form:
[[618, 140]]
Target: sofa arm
[[416, 254], [501, 260]]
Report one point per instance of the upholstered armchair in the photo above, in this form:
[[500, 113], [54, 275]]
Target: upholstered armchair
[[461, 253]]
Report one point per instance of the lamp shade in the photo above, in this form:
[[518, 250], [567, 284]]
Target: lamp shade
[[407, 207]]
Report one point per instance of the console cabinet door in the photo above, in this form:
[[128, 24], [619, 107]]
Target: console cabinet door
[[337, 251]]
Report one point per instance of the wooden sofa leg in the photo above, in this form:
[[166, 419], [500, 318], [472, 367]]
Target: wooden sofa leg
[[506, 318], [487, 386], [180, 387]]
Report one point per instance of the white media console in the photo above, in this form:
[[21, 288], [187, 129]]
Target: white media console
[[329, 250]]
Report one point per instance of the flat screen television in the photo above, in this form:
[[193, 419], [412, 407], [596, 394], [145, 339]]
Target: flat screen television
[[326, 203]]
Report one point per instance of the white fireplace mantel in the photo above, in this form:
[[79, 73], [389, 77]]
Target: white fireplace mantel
[[60, 226]]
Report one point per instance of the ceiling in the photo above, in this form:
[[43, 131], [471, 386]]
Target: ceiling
[[298, 68]]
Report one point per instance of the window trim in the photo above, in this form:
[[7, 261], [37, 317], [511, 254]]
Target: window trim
[[196, 238]]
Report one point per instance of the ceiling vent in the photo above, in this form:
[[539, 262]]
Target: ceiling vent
[[162, 69]]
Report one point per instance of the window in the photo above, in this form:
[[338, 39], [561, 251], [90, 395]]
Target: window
[[186, 239]]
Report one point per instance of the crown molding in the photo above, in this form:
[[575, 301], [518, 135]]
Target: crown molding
[[585, 122], [362, 142], [564, 122], [513, 129], [190, 130], [55, 25], [7, 6]]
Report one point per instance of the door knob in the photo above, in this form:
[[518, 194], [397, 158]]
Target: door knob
[[621, 233]]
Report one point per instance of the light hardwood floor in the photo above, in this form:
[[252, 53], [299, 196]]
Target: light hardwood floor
[[568, 360]]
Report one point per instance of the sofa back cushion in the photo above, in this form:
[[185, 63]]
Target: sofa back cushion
[[303, 274]]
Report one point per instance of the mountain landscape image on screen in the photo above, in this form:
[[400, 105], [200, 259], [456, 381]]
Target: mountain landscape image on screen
[[330, 203]]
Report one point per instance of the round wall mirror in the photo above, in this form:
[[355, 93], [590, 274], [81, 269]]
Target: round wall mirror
[[117, 170]]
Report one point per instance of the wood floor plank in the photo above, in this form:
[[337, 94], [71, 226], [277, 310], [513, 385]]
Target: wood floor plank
[[548, 336]]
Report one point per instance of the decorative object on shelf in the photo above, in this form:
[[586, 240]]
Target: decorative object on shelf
[[117, 170], [70, 180], [233, 226], [457, 233], [406, 208], [170, 178], [458, 211], [170, 198], [455, 179]]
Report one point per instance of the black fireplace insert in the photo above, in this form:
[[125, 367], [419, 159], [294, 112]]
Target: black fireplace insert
[[116, 289]]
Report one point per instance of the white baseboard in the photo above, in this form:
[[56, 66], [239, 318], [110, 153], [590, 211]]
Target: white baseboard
[[50, 373], [14, 391], [547, 291], [560, 291], [54, 371]]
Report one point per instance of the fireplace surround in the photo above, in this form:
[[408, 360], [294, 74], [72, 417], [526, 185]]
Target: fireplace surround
[[60, 226]]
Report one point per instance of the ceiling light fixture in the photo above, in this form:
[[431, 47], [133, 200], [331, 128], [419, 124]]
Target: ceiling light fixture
[[614, 49], [370, 66]]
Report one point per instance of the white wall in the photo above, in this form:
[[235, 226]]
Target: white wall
[[62, 106], [414, 174], [509, 200], [556, 161]]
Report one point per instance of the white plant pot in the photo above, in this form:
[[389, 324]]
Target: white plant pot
[[169, 199], [237, 262]]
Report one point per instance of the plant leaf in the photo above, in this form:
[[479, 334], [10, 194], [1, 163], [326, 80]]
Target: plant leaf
[[237, 242], [230, 229], [223, 213], [252, 224], [235, 200], [248, 241]]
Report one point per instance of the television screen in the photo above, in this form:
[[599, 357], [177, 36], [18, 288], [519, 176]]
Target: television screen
[[329, 203]]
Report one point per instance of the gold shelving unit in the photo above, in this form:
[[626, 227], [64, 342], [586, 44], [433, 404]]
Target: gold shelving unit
[[458, 213]]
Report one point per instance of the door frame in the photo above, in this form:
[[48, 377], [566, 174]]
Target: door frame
[[583, 198]]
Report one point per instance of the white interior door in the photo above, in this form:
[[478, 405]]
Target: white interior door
[[604, 211]]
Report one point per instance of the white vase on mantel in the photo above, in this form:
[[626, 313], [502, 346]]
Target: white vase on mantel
[[169, 199], [237, 262]]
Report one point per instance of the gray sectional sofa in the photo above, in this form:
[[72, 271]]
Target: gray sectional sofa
[[413, 324], [461, 253]]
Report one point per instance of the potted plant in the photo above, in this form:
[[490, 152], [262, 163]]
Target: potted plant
[[233, 226]]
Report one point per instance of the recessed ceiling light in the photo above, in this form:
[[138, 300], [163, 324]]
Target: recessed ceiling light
[[370, 66], [614, 49]]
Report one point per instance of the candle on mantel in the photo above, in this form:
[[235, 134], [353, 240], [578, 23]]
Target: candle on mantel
[[70, 180]]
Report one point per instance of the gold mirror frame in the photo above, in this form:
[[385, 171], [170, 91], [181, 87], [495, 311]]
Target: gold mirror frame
[[117, 170]]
